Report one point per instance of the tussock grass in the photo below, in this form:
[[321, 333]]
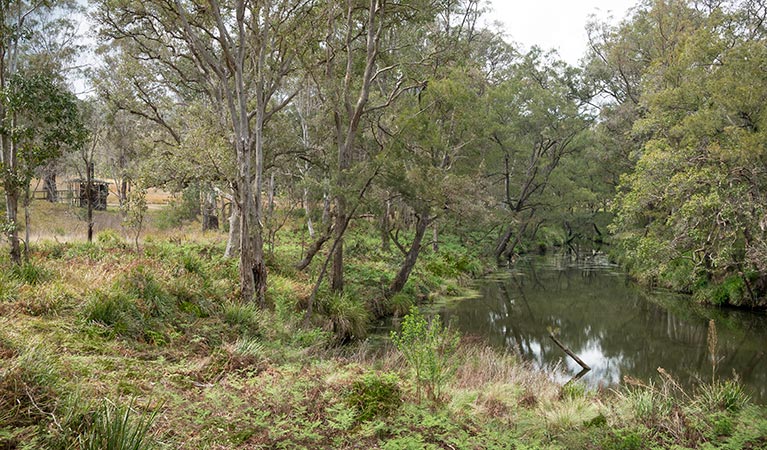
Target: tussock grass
[[118, 427], [346, 316], [164, 326]]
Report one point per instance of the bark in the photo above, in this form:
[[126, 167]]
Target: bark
[[209, 203], [435, 237], [49, 186], [27, 199], [509, 252], [386, 227], [308, 213], [89, 198], [325, 208], [348, 115], [336, 243], [337, 274], [503, 242], [12, 206], [406, 268], [569, 353], [233, 241], [313, 249]]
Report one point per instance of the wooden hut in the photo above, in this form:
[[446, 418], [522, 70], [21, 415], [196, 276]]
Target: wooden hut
[[78, 189]]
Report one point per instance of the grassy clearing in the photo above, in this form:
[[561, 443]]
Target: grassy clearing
[[103, 347]]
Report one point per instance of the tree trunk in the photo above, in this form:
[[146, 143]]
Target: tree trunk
[[49, 186], [385, 227], [233, 241], [248, 218], [325, 208], [337, 275], [122, 193], [400, 280], [89, 197], [308, 213], [313, 249], [11, 215], [503, 242], [27, 199], [435, 238], [209, 203]]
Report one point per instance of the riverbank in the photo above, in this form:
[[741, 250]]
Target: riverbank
[[92, 331]]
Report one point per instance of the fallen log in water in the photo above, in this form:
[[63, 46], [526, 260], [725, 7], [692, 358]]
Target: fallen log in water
[[569, 353]]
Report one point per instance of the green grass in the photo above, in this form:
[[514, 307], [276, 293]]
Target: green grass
[[162, 335]]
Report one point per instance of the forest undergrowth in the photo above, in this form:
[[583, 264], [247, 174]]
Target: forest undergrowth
[[102, 346]]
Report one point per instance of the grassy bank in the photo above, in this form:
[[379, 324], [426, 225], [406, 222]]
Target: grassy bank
[[105, 347]]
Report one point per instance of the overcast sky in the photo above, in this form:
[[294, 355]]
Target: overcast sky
[[557, 24]]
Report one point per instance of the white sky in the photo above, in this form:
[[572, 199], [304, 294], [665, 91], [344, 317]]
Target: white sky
[[557, 24]]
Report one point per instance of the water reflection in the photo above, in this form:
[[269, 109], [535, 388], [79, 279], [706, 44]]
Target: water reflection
[[615, 327]]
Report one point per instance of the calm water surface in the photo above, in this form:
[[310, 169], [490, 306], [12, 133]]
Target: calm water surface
[[616, 327]]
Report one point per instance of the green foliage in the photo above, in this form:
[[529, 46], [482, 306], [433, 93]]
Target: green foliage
[[134, 211], [572, 391], [140, 283], [627, 439], [110, 238], [117, 312], [116, 427], [243, 317], [373, 395], [647, 403], [730, 291], [399, 304], [30, 385], [29, 273], [347, 316], [725, 395], [685, 216], [183, 208], [429, 349], [85, 249]]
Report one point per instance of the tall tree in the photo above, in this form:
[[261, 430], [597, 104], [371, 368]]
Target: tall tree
[[34, 104], [237, 54], [691, 215], [535, 120]]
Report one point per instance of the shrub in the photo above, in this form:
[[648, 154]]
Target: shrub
[[186, 207], [110, 238], [429, 349], [85, 250], [399, 304], [141, 284], [572, 391], [646, 403], [373, 395]]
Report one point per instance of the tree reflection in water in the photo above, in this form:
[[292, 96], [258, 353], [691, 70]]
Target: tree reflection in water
[[614, 326]]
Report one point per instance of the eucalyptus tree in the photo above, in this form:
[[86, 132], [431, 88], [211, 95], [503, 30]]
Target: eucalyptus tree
[[432, 158], [236, 55], [535, 121], [692, 213], [373, 53], [38, 116]]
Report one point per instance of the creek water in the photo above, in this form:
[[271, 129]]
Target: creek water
[[616, 327]]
